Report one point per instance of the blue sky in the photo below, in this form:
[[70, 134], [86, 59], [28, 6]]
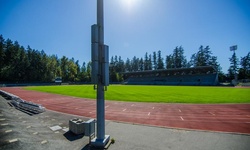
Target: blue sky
[[132, 27]]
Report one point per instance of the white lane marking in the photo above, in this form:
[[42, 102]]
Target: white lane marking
[[35, 133], [181, 118], [2, 119], [8, 131], [13, 140], [212, 113], [179, 110], [124, 109], [148, 113], [4, 124], [43, 142]]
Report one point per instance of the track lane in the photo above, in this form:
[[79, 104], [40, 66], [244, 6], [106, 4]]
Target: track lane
[[221, 117]]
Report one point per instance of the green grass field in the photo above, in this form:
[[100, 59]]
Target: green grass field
[[158, 94]]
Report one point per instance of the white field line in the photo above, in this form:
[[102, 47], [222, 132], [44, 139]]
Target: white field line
[[13, 140], [212, 113]]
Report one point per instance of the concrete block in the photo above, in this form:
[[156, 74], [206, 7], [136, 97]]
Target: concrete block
[[76, 126]]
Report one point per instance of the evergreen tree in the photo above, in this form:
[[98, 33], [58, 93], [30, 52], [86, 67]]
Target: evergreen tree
[[146, 62], [78, 69], [169, 62], [72, 70], [128, 65], [192, 62], [154, 61], [245, 62], [88, 71], [160, 64], [213, 62], [135, 64], [150, 66], [23, 64], [178, 58], [64, 68], [141, 65], [53, 64], [83, 73], [234, 67], [204, 58], [120, 65], [112, 70], [244, 72], [18, 64], [2, 55]]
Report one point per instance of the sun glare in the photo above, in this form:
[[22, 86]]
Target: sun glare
[[129, 3]]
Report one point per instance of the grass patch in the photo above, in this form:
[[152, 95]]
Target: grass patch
[[158, 94]]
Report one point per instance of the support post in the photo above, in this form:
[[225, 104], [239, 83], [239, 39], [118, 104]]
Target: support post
[[101, 139]]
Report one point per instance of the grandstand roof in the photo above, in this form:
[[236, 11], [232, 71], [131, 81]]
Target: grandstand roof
[[178, 71]]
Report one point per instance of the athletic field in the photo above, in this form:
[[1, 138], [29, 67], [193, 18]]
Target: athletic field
[[156, 94], [233, 118]]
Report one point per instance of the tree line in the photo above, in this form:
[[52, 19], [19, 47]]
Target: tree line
[[155, 61], [19, 64]]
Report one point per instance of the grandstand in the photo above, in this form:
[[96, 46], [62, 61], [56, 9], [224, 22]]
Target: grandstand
[[205, 75]]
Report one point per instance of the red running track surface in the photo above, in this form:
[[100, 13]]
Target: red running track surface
[[212, 117]]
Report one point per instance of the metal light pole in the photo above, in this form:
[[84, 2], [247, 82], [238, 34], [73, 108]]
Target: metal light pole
[[234, 48], [100, 74], [100, 87]]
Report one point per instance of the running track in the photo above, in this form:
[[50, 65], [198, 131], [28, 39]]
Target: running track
[[233, 118]]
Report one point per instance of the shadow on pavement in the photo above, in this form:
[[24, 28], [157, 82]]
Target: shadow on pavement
[[72, 137]]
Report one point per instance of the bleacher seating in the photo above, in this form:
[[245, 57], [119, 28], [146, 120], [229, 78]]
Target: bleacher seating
[[184, 76], [22, 105]]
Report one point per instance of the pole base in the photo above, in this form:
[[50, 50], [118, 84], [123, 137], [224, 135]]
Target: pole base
[[100, 143]]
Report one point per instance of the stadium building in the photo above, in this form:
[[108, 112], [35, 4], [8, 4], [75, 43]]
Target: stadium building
[[205, 75]]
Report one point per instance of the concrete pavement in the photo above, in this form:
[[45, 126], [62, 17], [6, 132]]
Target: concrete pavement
[[49, 130]]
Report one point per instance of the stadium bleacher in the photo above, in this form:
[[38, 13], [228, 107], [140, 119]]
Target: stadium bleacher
[[204, 76], [22, 105]]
